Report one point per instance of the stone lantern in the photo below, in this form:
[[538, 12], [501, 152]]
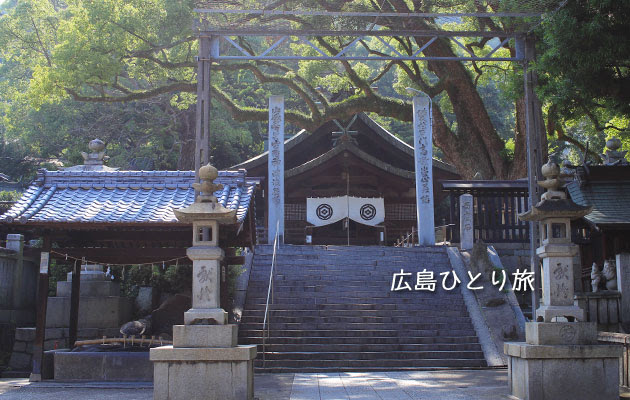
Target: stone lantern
[[560, 358], [554, 213], [205, 361]]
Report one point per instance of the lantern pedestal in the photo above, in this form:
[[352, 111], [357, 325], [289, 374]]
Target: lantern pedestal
[[580, 372]]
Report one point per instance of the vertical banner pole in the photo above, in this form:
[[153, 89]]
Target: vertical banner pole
[[275, 164], [423, 153]]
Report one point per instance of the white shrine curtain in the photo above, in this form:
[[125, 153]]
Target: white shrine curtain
[[328, 210], [322, 211], [367, 211]]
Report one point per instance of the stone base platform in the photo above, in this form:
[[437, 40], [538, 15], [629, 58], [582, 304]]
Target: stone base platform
[[102, 366], [203, 373], [559, 372]]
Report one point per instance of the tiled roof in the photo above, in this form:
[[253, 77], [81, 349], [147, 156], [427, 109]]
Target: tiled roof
[[121, 196], [609, 200], [377, 129]]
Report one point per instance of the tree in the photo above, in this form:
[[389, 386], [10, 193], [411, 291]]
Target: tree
[[585, 72], [113, 51], [153, 132]]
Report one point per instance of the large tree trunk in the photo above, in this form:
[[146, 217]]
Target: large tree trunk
[[518, 168], [476, 142]]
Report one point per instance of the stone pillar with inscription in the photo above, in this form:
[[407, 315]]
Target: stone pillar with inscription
[[560, 358], [275, 163], [466, 228], [423, 151], [204, 361]]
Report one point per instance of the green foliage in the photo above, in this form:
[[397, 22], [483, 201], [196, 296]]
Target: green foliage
[[53, 55], [67, 66], [174, 279], [7, 195], [584, 67], [57, 273]]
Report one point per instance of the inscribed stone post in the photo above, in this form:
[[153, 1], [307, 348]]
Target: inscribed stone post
[[623, 283], [466, 231], [275, 192], [423, 150]]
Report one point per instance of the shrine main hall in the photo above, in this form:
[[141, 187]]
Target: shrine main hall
[[350, 182]]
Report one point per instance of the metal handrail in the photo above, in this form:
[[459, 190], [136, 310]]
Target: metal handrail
[[405, 241], [270, 294]]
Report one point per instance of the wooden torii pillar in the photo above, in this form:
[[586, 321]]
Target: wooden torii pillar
[[208, 50], [535, 154]]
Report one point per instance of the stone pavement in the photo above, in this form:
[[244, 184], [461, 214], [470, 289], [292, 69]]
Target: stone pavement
[[425, 385]]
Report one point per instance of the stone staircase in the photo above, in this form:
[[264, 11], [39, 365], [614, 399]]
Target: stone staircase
[[334, 311]]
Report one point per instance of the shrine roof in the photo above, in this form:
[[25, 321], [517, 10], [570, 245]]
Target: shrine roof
[[121, 197], [348, 146], [608, 198], [377, 129]]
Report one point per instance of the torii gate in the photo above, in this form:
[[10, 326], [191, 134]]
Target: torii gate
[[209, 52]]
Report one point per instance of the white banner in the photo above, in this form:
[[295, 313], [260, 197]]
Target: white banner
[[328, 210], [367, 211]]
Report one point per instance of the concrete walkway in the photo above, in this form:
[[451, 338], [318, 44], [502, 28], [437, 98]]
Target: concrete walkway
[[425, 385]]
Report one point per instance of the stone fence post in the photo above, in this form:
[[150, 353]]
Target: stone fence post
[[466, 228]]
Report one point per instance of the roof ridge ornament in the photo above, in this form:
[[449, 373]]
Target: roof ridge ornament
[[345, 134], [93, 161], [97, 156], [613, 156]]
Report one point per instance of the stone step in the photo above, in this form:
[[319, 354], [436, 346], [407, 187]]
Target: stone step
[[407, 326], [327, 370], [296, 266], [336, 306], [369, 355], [409, 314], [370, 348], [359, 333], [361, 340], [383, 250], [441, 303], [304, 365], [297, 318], [334, 310]]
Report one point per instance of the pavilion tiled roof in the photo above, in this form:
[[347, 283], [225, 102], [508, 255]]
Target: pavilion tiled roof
[[121, 197], [608, 198]]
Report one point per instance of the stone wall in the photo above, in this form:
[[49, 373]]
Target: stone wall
[[18, 283], [22, 350], [56, 338]]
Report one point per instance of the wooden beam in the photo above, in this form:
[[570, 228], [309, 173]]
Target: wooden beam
[[42, 304], [75, 295], [106, 255], [127, 235]]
